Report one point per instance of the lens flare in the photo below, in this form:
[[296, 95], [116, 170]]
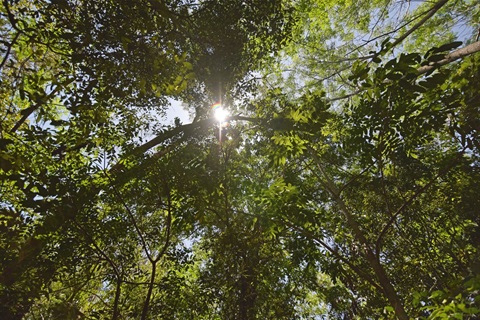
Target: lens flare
[[219, 113]]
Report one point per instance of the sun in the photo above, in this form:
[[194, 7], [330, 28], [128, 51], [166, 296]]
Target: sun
[[219, 113]]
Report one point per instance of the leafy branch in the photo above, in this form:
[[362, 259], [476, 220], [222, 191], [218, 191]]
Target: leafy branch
[[453, 56]]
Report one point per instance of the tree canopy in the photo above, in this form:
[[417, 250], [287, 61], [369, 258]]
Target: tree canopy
[[342, 185]]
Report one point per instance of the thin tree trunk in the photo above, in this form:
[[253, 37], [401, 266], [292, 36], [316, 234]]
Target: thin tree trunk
[[149, 293], [248, 294], [117, 299]]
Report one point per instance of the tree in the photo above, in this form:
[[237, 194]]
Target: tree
[[346, 189], [351, 161], [79, 85]]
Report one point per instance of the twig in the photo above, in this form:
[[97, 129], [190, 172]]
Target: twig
[[132, 217]]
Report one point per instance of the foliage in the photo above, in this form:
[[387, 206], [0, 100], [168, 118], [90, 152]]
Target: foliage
[[344, 187]]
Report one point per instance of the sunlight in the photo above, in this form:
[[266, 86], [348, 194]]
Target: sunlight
[[220, 114]]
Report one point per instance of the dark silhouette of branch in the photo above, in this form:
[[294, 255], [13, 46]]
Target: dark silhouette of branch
[[27, 112], [346, 96], [9, 48], [354, 178], [186, 129], [11, 17]]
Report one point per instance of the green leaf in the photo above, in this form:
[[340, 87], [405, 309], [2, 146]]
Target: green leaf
[[446, 47]]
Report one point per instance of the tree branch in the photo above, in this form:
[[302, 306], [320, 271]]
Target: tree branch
[[132, 217], [11, 17], [455, 55], [430, 13], [27, 112], [9, 48], [387, 286], [95, 245], [410, 200], [168, 225], [186, 129], [338, 255]]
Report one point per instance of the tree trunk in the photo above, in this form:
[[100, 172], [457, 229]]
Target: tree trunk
[[382, 276], [248, 295], [117, 299], [385, 283], [149, 293]]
